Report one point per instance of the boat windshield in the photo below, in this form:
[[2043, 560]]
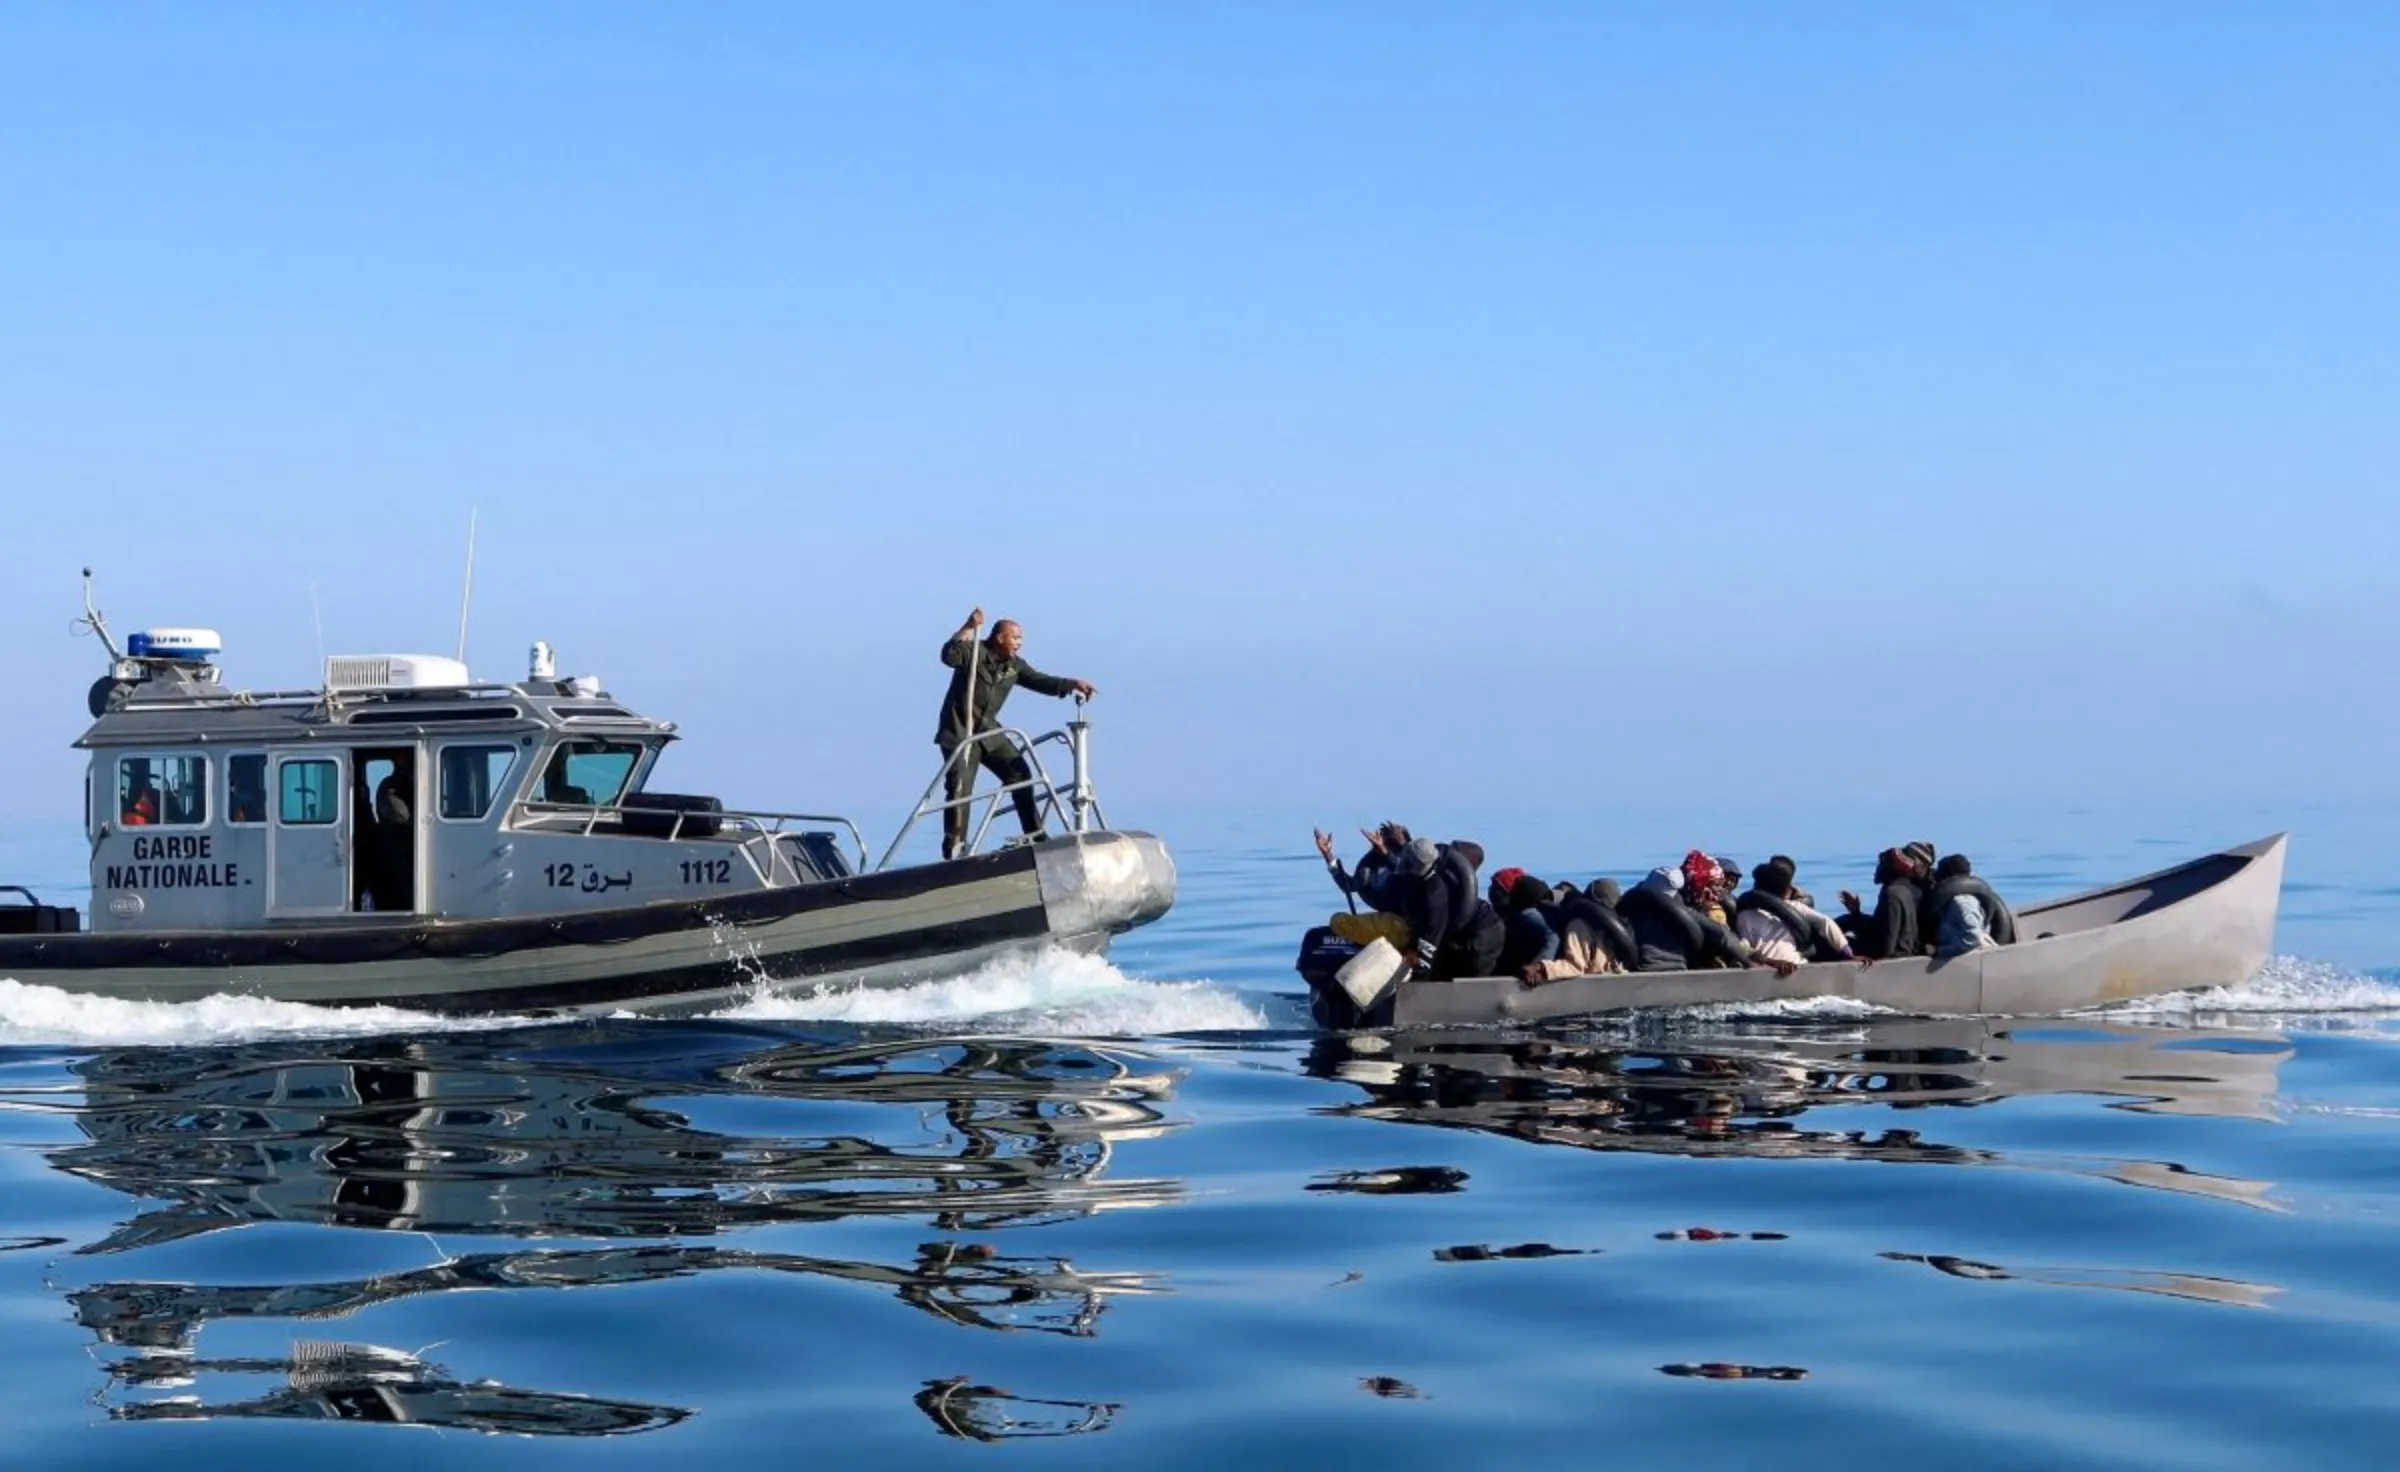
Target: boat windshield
[[589, 773]]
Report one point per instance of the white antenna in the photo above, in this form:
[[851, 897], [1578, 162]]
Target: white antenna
[[317, 612], [466, 597]]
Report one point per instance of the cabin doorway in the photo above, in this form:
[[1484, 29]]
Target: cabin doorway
[[387, 823], [308, 841]]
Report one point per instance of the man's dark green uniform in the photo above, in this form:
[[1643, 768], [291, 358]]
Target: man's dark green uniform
[[995, 675]]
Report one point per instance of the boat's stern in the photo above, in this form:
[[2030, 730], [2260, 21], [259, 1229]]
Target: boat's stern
[[1103, 883]]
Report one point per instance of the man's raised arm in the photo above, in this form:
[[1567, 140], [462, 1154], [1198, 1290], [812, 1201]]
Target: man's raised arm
[[954, 649]]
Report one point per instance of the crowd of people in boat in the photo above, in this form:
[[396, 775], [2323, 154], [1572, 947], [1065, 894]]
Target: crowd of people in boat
[[1427, 899]]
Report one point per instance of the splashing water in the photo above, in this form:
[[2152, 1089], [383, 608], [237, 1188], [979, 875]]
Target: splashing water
[[42, 1015], [2288, 991], [1064, 994], [1054, 993], [1787, 1009]]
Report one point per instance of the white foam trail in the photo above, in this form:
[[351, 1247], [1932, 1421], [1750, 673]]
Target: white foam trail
[[2289, 992], [46, 1016], [2287, 986], [1791, 1009], [1052, 994]]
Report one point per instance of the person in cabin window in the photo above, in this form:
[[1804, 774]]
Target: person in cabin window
[[557, 788], [391, 798], [985, 673], [392, 854], [141, 805]]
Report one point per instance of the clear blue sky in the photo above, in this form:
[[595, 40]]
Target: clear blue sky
[[1486, 401]]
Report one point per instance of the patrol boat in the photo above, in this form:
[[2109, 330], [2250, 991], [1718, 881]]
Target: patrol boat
[[404, 835]]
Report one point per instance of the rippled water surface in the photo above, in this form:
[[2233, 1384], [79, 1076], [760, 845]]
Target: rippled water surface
[[1141, 1211]]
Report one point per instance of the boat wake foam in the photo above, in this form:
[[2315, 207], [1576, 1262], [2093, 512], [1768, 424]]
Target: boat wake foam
[[1795, 1009], [41, 1016], [2286, 987], [1053, 994]]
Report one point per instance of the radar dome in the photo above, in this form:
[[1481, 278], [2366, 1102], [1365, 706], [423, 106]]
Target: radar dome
[[184, 646]]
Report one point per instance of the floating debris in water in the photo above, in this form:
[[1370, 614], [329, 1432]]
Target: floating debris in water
[[1956, 1267], [959, 1407], [1713, 1234], [2230, 1292], [1479, 1252], [1399, 1180], [1391, 1389], [1721, 1370]]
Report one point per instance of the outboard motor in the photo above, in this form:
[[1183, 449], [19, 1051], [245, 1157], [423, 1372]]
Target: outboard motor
[[1349, 986]]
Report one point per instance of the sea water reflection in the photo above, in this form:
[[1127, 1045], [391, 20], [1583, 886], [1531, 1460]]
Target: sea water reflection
[[1745, 1092], [1770, 1092], [595, 1132], [626, 1153]]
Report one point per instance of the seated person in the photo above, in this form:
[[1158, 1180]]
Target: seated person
[[1593, 939], [1779, 927], [1672, 935], [1457, 932], [1969, 914], [1707, 884], [1374, 879], [1893, 930], [141, 805], [1528, 921], [556, 788]]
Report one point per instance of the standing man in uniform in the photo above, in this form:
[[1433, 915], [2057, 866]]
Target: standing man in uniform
[[988, 671]]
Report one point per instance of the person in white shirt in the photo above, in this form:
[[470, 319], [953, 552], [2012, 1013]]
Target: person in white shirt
[[1779, 927]]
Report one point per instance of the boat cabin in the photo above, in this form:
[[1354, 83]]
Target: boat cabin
[[402, 789]]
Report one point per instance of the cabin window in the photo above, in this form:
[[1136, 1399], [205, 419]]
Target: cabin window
[[472, 776], [589, 773], [162, 791], [309, 792], [245, 789], [413, 717]]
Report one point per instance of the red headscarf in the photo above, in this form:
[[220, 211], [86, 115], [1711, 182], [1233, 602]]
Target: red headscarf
[[1700, 874], [1506, 879]]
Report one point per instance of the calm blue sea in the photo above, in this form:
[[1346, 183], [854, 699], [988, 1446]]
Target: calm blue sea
[[1137, 1212]]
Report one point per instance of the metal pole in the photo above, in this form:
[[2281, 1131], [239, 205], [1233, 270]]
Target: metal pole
[[466, 593], [974, 668], [1079, 738]]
